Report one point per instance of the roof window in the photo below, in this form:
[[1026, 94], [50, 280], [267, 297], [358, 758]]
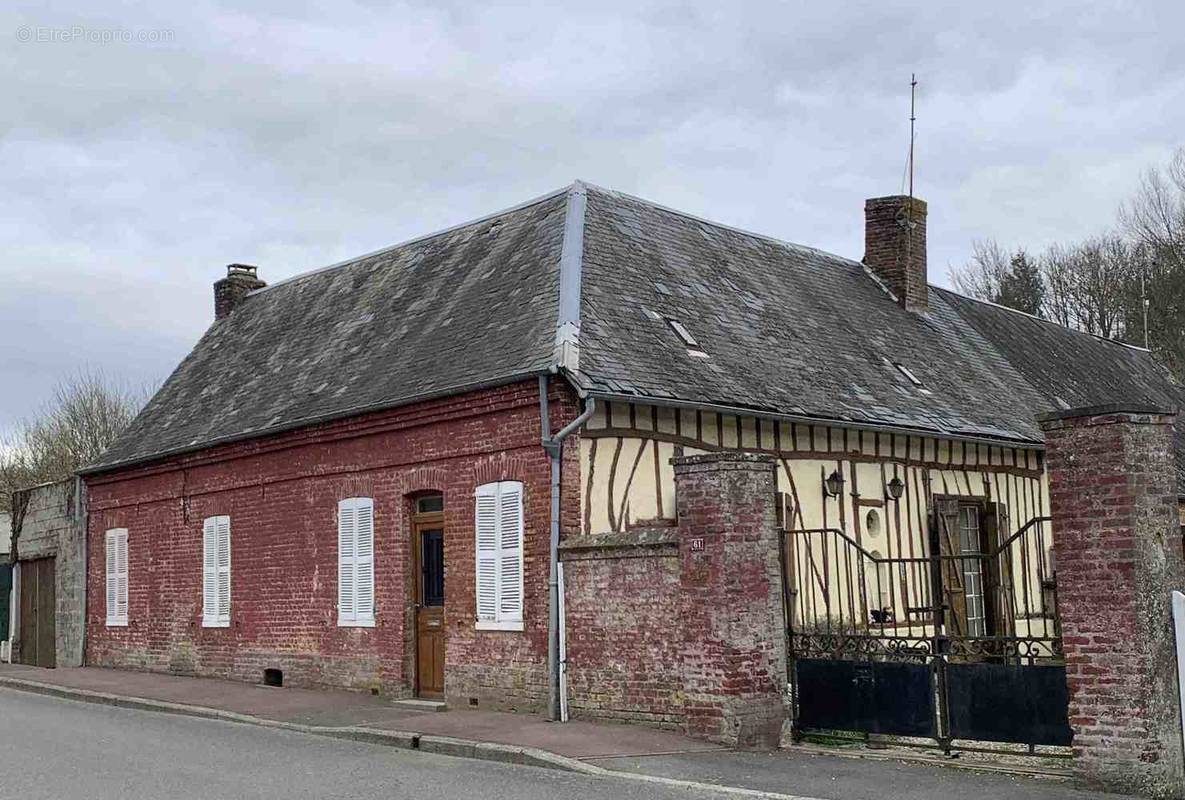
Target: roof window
[[908, 373], [693, 348]]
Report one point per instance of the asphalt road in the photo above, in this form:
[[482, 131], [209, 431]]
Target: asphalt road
[[53, 749]]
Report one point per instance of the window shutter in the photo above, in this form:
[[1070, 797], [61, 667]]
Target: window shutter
[[510, 545], [223, 532], [111, 577], [209, 571], [121, 576], [486, 523], [346, 542], [364, 559]]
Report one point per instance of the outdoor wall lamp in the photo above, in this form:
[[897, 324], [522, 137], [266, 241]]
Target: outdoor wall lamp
[[834, 484], [895, 488]]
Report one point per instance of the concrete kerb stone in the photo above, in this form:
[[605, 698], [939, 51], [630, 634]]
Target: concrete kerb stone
[[440, 745], [407, 740]]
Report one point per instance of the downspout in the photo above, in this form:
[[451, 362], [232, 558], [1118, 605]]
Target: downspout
[[554, 446], [82, 524]]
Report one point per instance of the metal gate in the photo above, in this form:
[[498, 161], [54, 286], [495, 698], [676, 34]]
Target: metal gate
[[960, 643]]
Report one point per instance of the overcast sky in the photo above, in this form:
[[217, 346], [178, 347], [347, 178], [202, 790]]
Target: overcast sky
[[294, 136]]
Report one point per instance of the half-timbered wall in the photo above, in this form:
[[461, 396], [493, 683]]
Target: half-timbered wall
[[627, 481]]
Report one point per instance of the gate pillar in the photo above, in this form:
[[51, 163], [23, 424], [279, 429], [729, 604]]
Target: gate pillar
[[734, 639], [1117, 555]]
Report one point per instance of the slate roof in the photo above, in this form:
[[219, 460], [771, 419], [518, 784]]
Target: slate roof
[[472, 306], [787, 329]]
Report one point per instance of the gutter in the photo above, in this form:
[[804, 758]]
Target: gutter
[[554, 446]]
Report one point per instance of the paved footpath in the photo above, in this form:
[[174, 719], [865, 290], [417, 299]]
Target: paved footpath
[[653, 762]]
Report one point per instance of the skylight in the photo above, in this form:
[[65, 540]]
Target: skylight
[[684, 334], [693, 348], [904, 370], [913, 378]]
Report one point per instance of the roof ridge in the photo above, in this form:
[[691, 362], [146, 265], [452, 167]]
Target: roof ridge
[[1036, 318], [417, 239], [724, 226]]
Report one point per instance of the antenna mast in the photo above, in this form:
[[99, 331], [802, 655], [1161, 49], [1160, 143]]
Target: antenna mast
[[913, 85]]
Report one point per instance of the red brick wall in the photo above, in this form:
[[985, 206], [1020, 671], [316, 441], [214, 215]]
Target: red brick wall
[[1117, 552], [895, 247], [734, 644], [281, 493], [623, 634]]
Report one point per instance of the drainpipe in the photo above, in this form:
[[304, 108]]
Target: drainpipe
[[554, 446]]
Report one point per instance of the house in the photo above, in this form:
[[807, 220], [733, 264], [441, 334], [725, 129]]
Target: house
[[390, 473]]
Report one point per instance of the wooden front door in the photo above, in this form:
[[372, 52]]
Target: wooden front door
[[37, 604], [429, 603]]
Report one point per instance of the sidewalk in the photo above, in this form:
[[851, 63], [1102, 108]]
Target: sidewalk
[[592, 748]]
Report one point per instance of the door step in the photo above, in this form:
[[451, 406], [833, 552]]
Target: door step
[[420, 705]]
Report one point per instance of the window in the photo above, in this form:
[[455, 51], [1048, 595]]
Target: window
[[216, 572], [499, 535], [355, 562], [972, 568], [693, 348], [117, 577]]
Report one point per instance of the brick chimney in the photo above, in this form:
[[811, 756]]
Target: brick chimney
[[895, 247], [230, 291]]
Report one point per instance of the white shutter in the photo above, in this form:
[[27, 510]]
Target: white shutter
[[364, 560], [223, 529], [499, 545], [346, 537], [216, 572], [111, 577], [121, 576], [510, 545], [486, 525], [355, 562], [209, 572]]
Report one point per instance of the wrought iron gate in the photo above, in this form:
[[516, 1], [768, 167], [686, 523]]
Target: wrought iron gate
[[960, 643]]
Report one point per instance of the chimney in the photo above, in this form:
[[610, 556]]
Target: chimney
[[895, 247], [230, 291]]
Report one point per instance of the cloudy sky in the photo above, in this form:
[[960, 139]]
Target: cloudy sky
[[292, 136]]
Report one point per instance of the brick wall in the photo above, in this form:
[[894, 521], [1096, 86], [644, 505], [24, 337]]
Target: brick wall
[[281, 494], [51, 526], [1117, 551], [624, 638], [731, 613]]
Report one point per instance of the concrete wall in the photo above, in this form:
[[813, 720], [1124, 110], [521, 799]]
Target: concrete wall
[[52, 524]]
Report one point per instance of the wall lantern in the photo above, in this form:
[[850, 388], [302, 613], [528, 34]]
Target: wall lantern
[[834, 484], [896, 488]]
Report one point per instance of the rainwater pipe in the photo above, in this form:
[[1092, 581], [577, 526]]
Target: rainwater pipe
[[554, 446]]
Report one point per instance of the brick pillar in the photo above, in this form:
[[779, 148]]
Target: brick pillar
[[734, 645], [1117, 554]]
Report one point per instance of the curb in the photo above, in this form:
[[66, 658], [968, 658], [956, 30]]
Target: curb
[[440, 745]]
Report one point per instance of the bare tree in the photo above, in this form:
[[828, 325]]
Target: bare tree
[[1085, 284], [1155, 217], [87, 411], [982, 276]]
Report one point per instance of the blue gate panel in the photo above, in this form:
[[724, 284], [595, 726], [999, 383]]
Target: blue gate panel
[[866, 696], [1002, 703]]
